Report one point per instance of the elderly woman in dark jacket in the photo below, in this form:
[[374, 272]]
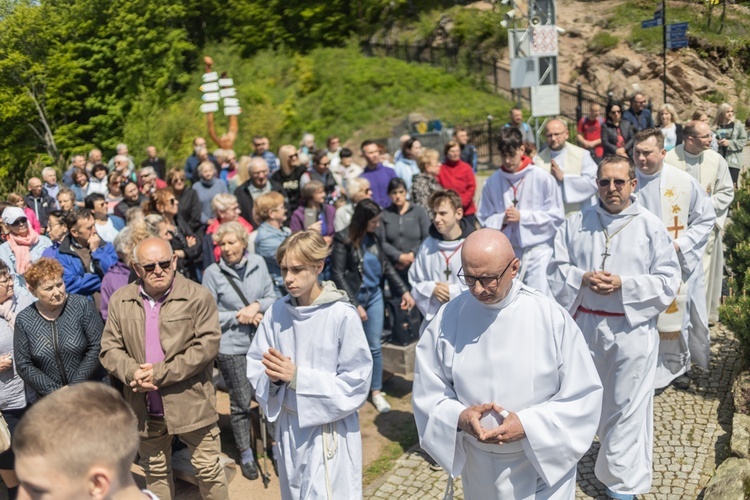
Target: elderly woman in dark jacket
[[618, 135], [58, 338], [359, 267]]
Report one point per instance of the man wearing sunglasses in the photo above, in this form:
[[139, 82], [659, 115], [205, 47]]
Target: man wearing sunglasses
[[711, 170], [615, 295], [161, 338], [505, 391], [686, 211]]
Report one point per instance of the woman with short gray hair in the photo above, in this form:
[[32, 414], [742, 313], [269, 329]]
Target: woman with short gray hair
[[243, 290]]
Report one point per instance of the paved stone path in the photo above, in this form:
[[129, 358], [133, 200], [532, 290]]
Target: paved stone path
[[691, 437]]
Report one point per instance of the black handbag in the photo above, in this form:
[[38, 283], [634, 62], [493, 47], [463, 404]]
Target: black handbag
[[404, 325]]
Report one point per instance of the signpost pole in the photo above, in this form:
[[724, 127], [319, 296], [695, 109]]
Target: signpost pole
[[664, 43]]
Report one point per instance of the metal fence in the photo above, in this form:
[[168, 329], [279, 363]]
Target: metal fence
[[574, 101]]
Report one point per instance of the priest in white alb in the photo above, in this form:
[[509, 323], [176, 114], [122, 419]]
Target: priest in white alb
[[525, 203], [434, 274], [505, 392], [686, 211], [616, 294], [711, 171], [572, 167]]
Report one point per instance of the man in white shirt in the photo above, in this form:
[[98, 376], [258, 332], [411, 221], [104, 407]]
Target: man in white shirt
[[505, 391], [434, 273], [686, 211], [711, 171], [524, 202], [616, 295], [570, 165]]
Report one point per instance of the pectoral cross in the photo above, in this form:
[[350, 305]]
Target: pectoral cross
[[675, 228], [447, 273], [605, 255], [515, 201]]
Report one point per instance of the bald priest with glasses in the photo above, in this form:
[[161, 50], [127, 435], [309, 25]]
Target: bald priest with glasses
[[505, 391]]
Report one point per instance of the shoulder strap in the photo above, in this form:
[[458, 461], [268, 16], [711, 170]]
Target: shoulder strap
[[232, 282]]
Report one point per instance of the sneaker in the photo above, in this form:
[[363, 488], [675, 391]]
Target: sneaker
[[381, 404], [249, 470], [620, 496]]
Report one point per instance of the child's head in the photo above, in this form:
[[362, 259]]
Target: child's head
[[78, 442], [301, 258], [346, 155], [447, 210], [510, 144]]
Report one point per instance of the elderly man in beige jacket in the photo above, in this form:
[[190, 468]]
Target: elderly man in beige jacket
[[160, 341]]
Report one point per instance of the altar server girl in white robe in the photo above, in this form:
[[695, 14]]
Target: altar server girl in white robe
[[310, 366]]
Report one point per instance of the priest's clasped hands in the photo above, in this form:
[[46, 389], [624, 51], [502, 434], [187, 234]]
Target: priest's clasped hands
[[602, 282], [509, 431]]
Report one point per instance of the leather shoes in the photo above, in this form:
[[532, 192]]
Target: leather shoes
[[249, 470]]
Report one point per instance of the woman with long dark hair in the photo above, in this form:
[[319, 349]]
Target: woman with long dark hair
[[617, 134], [359, 267]]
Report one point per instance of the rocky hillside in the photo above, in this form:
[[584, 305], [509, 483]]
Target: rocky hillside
[[697, 77], [604, 48]]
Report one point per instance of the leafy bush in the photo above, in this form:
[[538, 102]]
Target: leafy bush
[[735, 312], [328, 91], [602, 42]]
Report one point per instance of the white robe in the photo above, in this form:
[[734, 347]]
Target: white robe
[[711, 171], [541, 207], [428, 269], [625, 347], [328, 346], [693, 345], [579, 181], [527, 355]]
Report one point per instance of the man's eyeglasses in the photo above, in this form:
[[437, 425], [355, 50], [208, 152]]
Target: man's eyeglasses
[[150, 268], [294, 156], [19, 221], [605, 183], [486, 281], [706, 136]]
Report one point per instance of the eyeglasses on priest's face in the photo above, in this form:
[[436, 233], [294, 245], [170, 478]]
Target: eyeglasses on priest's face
[[486, 281]]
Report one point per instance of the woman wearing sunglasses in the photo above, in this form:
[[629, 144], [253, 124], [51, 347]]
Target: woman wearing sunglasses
[[618, 134], [24, 245]]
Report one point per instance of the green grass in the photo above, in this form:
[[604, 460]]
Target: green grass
[[603, 42], [734, 37], [328, 91], [406, 439]]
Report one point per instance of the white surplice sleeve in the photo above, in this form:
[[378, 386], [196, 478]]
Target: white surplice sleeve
[[560, 430], [723, 193], [646, 295], [701, 221], [540, 225], [326, 396], [564, 276], [270, 396], [580, 188], [434, 400], [422, 285], [491, 211]]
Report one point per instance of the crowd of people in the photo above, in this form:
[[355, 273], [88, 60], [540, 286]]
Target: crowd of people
[[279, 268]]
